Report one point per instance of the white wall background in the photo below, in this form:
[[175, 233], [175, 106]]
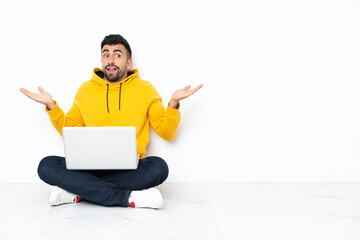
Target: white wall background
[[281, 82]]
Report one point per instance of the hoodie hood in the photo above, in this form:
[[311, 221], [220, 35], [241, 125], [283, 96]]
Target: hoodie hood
[[98, 76]]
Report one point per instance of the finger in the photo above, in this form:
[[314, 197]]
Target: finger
[[31, 95], [23, 90], [198, 87], [41, 90], [26, 92], [194, 90], [186, 88]]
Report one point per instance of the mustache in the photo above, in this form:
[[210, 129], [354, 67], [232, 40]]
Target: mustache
[[111, 65]]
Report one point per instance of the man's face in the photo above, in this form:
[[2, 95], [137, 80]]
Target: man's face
[[114, 62]]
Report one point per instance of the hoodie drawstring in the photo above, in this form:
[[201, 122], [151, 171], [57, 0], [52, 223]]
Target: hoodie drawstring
[[107, 97], [120, 95]]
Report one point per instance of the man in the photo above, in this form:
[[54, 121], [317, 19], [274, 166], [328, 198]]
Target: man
[[114, 96]]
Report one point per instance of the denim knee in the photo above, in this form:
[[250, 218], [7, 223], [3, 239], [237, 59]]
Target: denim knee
[[160, 168], [47, 167]]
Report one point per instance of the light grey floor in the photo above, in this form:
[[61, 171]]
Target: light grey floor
[[191, 211]]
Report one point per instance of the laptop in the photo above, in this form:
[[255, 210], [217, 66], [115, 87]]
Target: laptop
[[100, 148]]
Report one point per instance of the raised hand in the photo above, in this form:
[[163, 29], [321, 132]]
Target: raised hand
[[182, 94], [42, 97]]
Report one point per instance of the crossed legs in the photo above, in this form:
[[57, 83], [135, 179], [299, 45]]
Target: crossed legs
[[104, 187]]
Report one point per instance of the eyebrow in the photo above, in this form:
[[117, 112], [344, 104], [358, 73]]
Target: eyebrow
[[107, 50]]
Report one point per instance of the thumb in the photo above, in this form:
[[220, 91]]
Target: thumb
[[41, 90]]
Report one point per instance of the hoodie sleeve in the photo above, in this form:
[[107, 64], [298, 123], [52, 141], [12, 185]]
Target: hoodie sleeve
[[164, 122], [59, 120]]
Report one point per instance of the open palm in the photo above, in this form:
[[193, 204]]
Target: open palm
[[42, 97], [184, 93]]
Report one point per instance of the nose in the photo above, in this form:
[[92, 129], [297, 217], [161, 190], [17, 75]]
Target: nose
[[111, 60]]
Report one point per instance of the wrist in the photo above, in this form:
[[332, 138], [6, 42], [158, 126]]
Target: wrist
[[174, 104], [51, 105]]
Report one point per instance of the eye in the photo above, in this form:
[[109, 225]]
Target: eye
[[117, 55], [105, 55]]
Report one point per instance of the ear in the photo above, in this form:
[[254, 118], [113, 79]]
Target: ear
[[129, 64]]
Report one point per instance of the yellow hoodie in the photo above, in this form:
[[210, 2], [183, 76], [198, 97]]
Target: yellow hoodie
[[131, 102]]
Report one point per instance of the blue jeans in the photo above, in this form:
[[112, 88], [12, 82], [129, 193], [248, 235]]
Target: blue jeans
[[105, 187]]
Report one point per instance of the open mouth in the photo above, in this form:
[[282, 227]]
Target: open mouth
[[111, 69]]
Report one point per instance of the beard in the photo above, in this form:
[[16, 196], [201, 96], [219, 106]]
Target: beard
[[114, 77]]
